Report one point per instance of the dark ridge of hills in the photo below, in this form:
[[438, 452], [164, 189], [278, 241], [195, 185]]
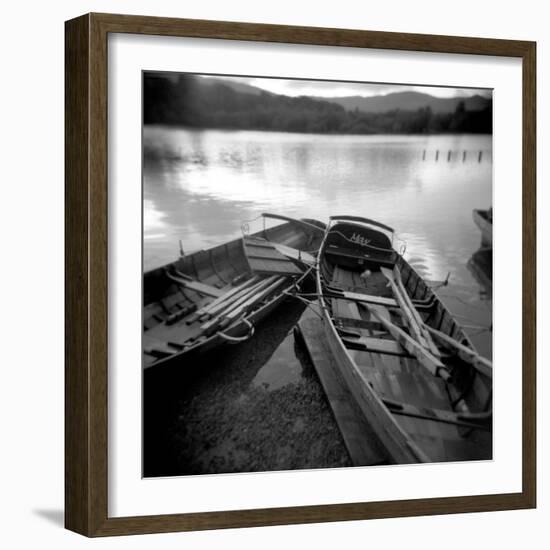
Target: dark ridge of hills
[[405, 101], [240, 87], [410, 101], [187, 100]]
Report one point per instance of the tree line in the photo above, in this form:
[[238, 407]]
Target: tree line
[[187, 101]]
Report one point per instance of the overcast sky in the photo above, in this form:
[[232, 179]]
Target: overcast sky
[[342, 89]]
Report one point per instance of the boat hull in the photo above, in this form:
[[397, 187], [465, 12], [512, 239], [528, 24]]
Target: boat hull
[[375, 379], [220, 269], [481, 219]]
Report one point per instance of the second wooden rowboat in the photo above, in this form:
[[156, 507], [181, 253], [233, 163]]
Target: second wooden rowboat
[[218, 295], [408, 365]]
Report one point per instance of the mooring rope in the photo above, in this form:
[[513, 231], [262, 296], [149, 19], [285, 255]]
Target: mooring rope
[[238, 339], [308, 303]]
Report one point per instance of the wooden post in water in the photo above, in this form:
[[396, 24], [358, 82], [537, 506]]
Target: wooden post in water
[[436, 155], [449, 156], [480, 155], [464, 156]]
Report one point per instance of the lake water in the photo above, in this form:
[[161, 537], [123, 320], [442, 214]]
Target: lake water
[[200, 186]]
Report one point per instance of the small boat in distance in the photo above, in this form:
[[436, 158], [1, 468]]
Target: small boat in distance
[[484, 220], [214, 296], [410, 368]]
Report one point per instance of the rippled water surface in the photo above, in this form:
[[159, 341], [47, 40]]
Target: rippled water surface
[[200, 186]]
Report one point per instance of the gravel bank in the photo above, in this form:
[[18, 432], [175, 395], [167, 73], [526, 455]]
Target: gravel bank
[[217, 414]]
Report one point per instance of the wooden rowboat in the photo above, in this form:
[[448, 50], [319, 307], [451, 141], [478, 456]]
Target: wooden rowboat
[[410, 368], [484, 220], [215, 296]]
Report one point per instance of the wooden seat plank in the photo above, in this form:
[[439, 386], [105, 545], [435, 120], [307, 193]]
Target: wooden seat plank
[[263, 257], [296, 254], [371, 326], [257, 245], [481, 421], [378, 345], [346, 309], [338, 292]]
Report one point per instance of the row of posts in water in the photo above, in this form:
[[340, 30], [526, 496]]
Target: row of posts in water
[[453, 154]]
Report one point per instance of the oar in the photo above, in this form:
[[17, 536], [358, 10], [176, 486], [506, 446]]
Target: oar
[[211, 326], [226, 304], [411, 315], [223, 298], [229, 318], [425, 358], [465, 353], [433, 348]]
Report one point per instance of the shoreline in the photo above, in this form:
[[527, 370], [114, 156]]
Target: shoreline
[[218, 420]]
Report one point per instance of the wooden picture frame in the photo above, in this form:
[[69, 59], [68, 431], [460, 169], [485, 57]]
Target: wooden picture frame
[[86, 224]]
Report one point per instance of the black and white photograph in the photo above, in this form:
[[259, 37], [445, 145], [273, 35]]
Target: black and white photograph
[[317, 274]]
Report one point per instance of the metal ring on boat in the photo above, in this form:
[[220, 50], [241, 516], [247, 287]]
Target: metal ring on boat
[[238, 339]]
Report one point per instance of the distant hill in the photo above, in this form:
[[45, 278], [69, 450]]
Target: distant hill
[[197, 102], [409, 101], [230, 83], [405, 101]]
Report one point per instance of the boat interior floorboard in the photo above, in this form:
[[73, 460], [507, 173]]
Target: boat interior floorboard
[[368, 282], [373, 327], [345, 308], [377, 345]]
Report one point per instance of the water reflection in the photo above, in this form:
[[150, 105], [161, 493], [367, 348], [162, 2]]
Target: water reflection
[[282, 368], [199, 186]]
